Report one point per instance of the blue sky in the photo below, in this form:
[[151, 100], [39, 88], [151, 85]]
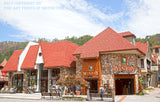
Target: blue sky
[[22, 20]]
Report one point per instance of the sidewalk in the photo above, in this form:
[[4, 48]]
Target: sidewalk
[[34, 96], [153, 96]]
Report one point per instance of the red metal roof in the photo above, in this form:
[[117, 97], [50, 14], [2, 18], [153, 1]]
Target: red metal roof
[[156, 46], [127, 33], [30, 59], [58, 54], [12, 64], [106, 41], [142, 46]]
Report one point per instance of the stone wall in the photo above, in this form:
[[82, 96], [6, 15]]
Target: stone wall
[[110, 60], [78, 66], [10, 79], [67, 71]]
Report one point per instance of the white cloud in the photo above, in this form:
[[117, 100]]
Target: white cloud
[[54, 18], [144, 17]]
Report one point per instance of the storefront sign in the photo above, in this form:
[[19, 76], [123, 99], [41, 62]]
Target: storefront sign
[[124, 68], [90, 74]]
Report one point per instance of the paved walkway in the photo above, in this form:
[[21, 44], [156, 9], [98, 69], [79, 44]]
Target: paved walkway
[[153, 96]]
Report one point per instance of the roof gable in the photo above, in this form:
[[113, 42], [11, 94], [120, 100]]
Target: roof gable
[[12, 64], [142, 46], [108, 40], [30, 58]]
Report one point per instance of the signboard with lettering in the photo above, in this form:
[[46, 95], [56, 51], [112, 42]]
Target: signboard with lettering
[[90, 74]]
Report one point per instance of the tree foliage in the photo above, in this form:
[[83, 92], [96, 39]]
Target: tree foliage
[[80, 41], [73, 81]]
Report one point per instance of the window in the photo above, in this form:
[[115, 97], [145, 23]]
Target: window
[[90, 68], [156, 50], [148, 64], [142, 63], [124, 60]]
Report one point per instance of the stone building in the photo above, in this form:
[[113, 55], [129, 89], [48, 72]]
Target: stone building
[[40, 65], [110, 60], [148, 65], [3, 75], [156, 62]]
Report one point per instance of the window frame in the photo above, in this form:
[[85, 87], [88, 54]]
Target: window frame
[[141, 63], [156, 50], [125, 61]]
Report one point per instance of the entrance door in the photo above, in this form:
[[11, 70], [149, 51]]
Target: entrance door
[[93, 86], [124, 86]]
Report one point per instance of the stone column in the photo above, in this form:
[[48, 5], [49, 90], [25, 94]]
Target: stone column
[[10, 79], [49, 79], [25, 81]]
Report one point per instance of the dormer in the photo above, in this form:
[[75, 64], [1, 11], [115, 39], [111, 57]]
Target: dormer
[[129, 36]]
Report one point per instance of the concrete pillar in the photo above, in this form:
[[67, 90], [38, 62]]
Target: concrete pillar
[[38, 79], [49, 79]]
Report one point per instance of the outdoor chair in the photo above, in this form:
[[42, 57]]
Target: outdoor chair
[[2, 90], [13, 90], [30, 91], [6, 90]]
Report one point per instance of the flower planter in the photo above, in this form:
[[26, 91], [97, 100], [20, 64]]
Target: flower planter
[[78, 92]]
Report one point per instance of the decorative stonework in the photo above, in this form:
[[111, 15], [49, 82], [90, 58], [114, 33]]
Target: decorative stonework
[[25, 81], [10, 79], [67, 71], [108, 61], [78, 66]]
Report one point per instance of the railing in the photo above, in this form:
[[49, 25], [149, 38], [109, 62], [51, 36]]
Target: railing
[[95, 96]]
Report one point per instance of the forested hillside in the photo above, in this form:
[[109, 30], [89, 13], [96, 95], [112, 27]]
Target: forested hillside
[[7, 47], [153, 40]]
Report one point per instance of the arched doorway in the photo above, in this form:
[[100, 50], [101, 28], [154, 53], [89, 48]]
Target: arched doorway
[[17, 81]]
